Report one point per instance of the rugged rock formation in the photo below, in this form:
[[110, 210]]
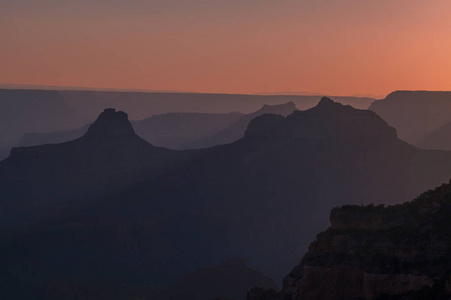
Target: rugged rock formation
[[377, 252], [328, 119], [237, 130], [111, 123]]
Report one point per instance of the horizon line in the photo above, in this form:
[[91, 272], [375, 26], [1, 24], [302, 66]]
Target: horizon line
[[8, 86]]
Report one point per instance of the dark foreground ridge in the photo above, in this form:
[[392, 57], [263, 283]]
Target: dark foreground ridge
[[376, 252]]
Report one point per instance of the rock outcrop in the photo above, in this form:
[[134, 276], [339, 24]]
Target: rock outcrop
[[111, 123], [376, 252]]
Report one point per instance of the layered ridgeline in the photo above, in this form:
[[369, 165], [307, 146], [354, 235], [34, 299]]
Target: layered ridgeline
[[111, 209], [24, 111], [176, 130], [235, 131], [171, 130], [107, 158], [376, 252], [416, 115]]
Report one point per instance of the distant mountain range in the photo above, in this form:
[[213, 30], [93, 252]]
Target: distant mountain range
[[171, 130], [73, 88], [112, 209], [176, 130], [37, 111]]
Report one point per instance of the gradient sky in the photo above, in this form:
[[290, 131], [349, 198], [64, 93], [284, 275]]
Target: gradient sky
[[327, 46]]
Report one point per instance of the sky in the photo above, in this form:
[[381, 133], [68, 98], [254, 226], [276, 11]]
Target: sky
[[333, 47]]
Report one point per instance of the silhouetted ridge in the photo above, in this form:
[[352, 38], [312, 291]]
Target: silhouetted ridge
[[64, 110], [111, 123], [237, 130], [277, 109], [324, 102], [330, 106], [110, 130], [414, 114], [326, 119], [264, 125]]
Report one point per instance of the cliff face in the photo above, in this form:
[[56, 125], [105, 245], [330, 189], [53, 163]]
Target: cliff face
[[375, 252]]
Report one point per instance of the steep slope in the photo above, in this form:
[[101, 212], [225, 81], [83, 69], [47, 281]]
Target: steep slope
[[235, 131], [414, 114], [188, 209], [177, 130], [55, 137], [377, 252]]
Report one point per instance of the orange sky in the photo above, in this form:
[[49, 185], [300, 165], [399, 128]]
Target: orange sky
[[236, 46]]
